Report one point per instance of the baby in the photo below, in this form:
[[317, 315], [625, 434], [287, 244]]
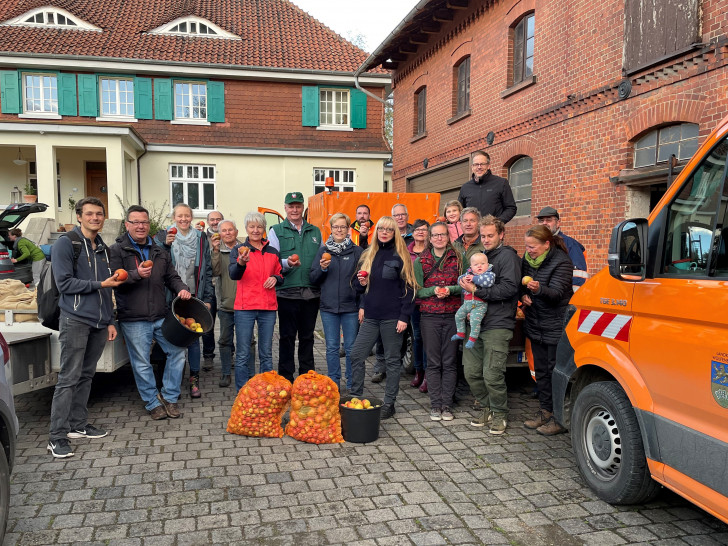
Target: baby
[[479, 273]]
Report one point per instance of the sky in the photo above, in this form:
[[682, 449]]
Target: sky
[[373, 19]]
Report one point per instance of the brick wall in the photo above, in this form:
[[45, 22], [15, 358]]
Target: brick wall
[[571, 121]]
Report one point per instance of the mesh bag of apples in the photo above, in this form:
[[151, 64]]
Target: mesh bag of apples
[[315, 416], [260, 405]]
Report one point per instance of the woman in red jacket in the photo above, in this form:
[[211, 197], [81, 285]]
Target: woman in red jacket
[[256, 266]]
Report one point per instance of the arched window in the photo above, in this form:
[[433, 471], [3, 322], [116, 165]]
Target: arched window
[[51, 17], [659, 144], [194, 26], [520, 178]]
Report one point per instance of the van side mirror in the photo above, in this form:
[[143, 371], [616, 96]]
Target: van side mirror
[[627, 250]]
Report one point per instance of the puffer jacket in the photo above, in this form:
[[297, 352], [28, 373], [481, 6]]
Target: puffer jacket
[[337, 292], [264, 263], [545, 316]]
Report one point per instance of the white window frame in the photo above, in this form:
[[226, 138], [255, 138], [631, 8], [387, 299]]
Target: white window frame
[[173, 27], [41, 17], [191, 120], [117, 99], [33, 180], [336, 109], [511, 172], [51, 102], [188, 175], [344, 179]]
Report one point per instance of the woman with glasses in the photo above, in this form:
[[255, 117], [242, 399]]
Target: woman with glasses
[[437, 269], [333, 270], [420, 234], [387, 280]]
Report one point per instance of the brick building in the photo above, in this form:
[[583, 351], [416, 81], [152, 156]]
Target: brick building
[[580, 104], [223, 105]]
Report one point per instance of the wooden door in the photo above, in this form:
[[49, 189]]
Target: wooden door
[[96, 183]]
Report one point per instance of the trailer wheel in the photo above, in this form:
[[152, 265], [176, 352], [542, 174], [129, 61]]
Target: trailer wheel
[[607, 443]]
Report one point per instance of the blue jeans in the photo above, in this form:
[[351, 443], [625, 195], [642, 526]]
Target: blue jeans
[[333, 323], [419, 358], [139, 336], [244, 324], [226, 320], [193, 355]]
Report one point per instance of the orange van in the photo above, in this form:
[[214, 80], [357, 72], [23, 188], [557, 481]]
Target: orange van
[[641, 378]]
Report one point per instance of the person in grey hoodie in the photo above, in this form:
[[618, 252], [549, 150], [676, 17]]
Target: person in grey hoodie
[[86, 323]]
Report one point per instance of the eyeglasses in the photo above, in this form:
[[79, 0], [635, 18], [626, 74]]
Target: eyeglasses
[[480, 164], [438, 235], [400, 215], [385, 229], [339, 227], [138, 223], [420, 230]]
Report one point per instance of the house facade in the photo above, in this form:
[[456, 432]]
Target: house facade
[[224, 106], [589, 107]]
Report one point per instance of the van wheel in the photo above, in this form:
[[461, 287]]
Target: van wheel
[[4, 493], [608, 445]]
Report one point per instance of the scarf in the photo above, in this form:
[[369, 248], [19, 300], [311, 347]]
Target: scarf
[[535, 262], [184, 251], [337, 248]]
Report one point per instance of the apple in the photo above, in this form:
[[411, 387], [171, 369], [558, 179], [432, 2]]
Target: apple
[[215, 236], [243, 251], [364, 274], [121, 275], [172, 230], [201, 224], [147, 263], [366, 403], [293, 260], [198, 330], [325, 256], [442, 219], [189, 321], [527, 279]]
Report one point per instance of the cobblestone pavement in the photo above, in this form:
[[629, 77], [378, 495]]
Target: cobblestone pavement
[[187, 481]]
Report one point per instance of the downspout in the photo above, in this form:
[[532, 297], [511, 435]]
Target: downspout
[[139, 176]]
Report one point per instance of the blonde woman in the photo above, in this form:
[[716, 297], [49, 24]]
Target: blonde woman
[[387, 279]]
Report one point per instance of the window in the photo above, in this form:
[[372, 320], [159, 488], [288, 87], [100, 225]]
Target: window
[[520, 179], [194, 26], [420, 111], [695, 243], [190, 101], [117, 97], [51, 17], [334, 107], [40, 92], [657, 146], [33, 180], [523, 41], [463, 86], [194, 185], [343, 179]]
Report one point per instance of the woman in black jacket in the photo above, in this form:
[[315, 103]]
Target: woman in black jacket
[[333, 270], [545, 293]]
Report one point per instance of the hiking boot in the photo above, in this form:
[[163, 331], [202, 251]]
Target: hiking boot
[[224, 381], [435, 414], [378, 377], [539, 419], [158, 413], [60, 449], [498, 424], [170, 408], [387, 411], [447, 414], [483, 419], [195, 387], [207, 363], [419, 378], [550, 428], [89, 431]]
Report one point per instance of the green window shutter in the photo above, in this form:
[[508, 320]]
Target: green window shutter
[[143, 98], [310, 106], [88, 95], [216, 102], [66, 94], [10, 91], [163, 107], [358, 101]]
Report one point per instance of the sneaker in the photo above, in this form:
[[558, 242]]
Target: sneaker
[[387, 411], [435, 414], [550, 428], [447, 414], [378, 377], [60, 449], [485, 417], [158, 413], [207, 363], [539, 419], [89, 431], [195, 387], [224, 381], [170, 408], [498, 424]]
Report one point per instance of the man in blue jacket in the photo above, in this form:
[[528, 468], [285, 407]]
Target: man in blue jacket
[[550, 218], [86, 323]]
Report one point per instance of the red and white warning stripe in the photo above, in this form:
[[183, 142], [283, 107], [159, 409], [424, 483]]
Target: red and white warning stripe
[[609, 325]]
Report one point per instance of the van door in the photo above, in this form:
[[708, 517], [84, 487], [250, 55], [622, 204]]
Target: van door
[[679, 334]]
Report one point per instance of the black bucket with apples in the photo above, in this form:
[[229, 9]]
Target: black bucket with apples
[[360, 426]]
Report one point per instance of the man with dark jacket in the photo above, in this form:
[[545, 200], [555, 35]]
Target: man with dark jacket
[[485, 364], [214, 217], [86, 323], [141, 305], [489, 193], [549, 217]]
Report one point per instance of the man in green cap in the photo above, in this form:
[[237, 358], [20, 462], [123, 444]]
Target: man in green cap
[[297, 241]]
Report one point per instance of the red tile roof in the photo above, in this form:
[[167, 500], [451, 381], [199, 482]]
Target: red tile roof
[[274, 34]]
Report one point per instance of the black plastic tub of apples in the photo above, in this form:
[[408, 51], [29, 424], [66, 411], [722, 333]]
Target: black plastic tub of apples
[[360, 426]]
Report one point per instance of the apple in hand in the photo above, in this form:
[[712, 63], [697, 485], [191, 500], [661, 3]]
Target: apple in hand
[[527, 279], [172, 231], [294, 260], [121, 275], [147, 263]]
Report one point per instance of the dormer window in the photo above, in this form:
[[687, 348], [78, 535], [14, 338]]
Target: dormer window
[[194, 26], [51, 17]]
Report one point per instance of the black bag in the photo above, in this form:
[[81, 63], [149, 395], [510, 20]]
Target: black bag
[[49, 313]]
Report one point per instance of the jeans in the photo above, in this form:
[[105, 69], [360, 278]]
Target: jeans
[[81, 348], [296, 317], [208, 339], [544, 360], [369, 331], [485, 369], [225, 341], [244, 362], [193, 356], [139, 336], [334, 323], [442, 368], [419, 358]]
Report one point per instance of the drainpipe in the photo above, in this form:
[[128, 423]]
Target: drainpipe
[[139, 176]]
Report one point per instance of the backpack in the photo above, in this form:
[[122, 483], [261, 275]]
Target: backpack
[[49, 313]]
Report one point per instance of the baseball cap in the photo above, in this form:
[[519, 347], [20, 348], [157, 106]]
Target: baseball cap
[[548, 211], [294, 197]]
